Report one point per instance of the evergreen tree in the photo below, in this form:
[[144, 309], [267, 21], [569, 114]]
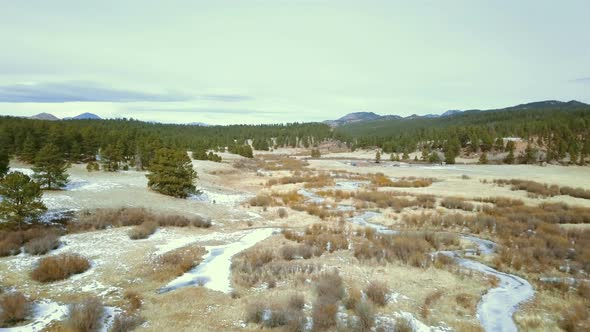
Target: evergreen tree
[[377, 157], [433, 157], [21, 198], [499, 145], [50, 168], [172, 173], [452, 148], [29, 149], [405, 156], [4, 162], [111, 157], [199, 154], [529, 156], [483, 159]]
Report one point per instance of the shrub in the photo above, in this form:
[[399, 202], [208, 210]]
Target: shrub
[[324, 314], [59, 267], [42, 245], [134, 300], [263, 200], [353, 297], [329, 286], [296, 301], [377, 293], [86, 315], [143, 231], [428, 301], [124, 323], [282, 213], [456, 203], [178, 261], [402, 324], [14, 307], [366, 316], [9, 247], [572, 316]]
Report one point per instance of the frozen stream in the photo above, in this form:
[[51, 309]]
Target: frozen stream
[[215, 270], [496, 307]]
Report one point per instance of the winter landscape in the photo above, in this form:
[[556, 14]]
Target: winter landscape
[[269, 165]]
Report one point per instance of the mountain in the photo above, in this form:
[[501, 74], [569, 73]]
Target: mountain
[[201, 124], [45, 116], [352, 118], [86, 116], [498, 118]]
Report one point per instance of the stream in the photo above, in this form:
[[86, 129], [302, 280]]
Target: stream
[[215, 270], [496, 307]]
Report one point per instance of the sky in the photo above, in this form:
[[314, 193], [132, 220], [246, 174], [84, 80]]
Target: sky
[[226, 62]]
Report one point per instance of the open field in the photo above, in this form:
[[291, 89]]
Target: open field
[[293, 242]]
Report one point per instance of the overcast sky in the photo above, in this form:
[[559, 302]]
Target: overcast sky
[[224, 62]]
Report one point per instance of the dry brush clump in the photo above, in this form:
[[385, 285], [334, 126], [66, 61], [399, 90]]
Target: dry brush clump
[[458, 203], [285, 312], [143, 231], [42, 245], [430, 299], [59, 267], [105, 218], [329, 291], [537, 189], [381, 180], [14, 308], [85, 316], [377, 292], [177, 262], [125, 322], [393, 200]]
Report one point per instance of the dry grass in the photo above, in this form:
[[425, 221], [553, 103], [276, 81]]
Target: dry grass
[[377, 292], [125, 322], [457, 203], [381, 180], [143, 231], [133, 300], [14, 308], [104, 218], [536, 189], [573, 318], [59, 267], [262, 200], [176, 262], [394, 201], [42, 245], [282, 212], [85, 316], [285, 312], [428, 302]]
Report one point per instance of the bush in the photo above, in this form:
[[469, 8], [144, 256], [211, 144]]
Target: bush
[[263, 200], [124, 323], [179, 261], [377, 293], [353, 297], [85, 316], [10, 247], [572, 316], [324, 314], [134, 300], [366, 316], [456, 203], [59, 267], [428, 301], [296, 301], [143, 231], [403, 325], [14, 308], [42, 245], [329, 286], [283, 213]]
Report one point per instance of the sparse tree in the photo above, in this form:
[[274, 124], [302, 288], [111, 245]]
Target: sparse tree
[[377, 157], [50, 168], [172, 173], [315, 153], [21, 198]]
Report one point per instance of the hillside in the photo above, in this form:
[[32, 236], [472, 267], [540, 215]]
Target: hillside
[[45, 116]]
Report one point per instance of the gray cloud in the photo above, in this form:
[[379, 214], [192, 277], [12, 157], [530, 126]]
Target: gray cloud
[[75, 91]]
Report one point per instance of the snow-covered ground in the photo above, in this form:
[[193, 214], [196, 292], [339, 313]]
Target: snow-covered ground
[[214, 272]]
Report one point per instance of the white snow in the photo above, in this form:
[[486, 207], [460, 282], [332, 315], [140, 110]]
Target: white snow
[[214, 272]]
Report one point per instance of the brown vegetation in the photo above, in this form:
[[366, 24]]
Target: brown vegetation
[[126, 322], [457, 203], [42, 245], [14, 308], [177, 262], [143, 231], [536, 189], [85, 316], [381, 180], [59, 267], [377, 292]]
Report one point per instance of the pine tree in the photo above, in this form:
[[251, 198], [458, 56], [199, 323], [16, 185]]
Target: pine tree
[[4, 162], [315, 153], [50, 168], [377, 157], [433, 157], [21, 198], [172, 173], [499, 145], [29, 150], [110, 158]]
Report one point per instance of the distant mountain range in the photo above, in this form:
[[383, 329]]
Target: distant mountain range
[[51, 117], [370, 116]]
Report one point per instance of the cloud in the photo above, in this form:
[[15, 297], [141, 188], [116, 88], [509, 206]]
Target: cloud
[[227, 98], [76, 91], [197, 110], [583, 80]]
